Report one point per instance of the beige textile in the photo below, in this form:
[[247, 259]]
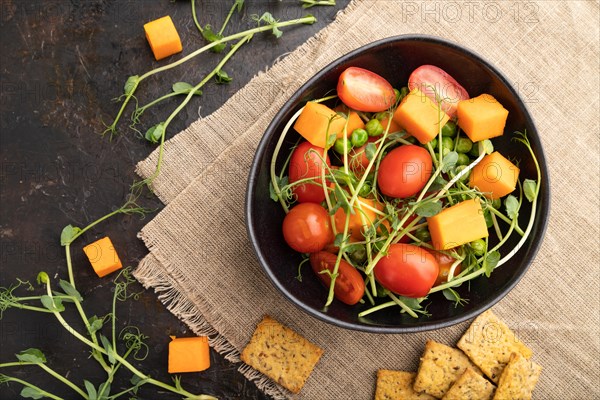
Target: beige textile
[[202, 265]]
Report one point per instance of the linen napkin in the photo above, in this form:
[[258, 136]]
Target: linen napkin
[[203, 268]]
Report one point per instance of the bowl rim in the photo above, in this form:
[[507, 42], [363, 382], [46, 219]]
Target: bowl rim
[[481, 306]]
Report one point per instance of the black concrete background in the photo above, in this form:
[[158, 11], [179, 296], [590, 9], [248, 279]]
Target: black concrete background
[[61, 64]]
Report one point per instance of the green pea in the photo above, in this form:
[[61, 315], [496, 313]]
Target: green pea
[[457, 170], [445, 151], [474, 150], [463, 159], [464, 145], [433, 142], [359, 137], [338, 146], [423, 234], [380, 116], [489, 222], [478, 247], [365, 190], [449, 129], [497, 203], [447, 143], [374, 127], [400, 94]]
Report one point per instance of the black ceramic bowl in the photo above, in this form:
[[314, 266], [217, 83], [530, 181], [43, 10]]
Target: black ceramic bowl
[[395, 58]]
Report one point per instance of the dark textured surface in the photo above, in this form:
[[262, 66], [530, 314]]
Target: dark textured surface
[[61, 64]]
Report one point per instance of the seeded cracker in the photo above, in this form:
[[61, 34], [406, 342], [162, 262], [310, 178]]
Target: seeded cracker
[[489, 343], [470, 386], [281, 354], [518, 379], [397, 385], [440, 367]]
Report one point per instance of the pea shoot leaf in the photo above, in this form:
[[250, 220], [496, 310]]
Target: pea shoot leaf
[[91, 390], [32, 355], [438, 183], [452, 295], [70, 290], [370, 151], [342, 200], [449, 161], [512, 206], [52, 304], [109, 349], [488, 147], [184, 88], [29, 392], [339, 239], [131, 84], [212, 37], [95, 324], [68, 234], [331, 140], [268, 19], [529, 188], [154, 134], [429, 208], [280, 183], [490, 261], [222, 77]]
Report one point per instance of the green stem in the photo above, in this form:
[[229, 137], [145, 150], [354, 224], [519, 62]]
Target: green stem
[[377, 308], [227, 18], [26, 307], [187, 99], [98, 356], [119, 358], [16, 364], [27, 384], [406, 308], [63, 380], [113, 371], [195, 18], [309, 19]]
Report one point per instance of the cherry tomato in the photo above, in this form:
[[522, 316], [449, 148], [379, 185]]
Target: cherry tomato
[[445, 263], [363, 90], [407, 270], [307, 228], [349, 285], [306, 162], [433, 81], [404, 171]]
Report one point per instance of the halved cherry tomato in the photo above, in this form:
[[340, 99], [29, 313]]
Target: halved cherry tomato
[[306, 162], [445, 263], [437, 84], [363, 90], [307, 228], [404, 171], [349, 285], [407, 270]]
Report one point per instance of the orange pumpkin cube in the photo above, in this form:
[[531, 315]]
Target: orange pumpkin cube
[[420, 116], [103, 256], [163, 38], [495, 176], [190, 354], [462, 223], [481, 117], [317, 122]]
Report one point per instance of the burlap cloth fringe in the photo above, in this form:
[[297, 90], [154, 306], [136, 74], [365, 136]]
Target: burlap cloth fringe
[[204, 270]]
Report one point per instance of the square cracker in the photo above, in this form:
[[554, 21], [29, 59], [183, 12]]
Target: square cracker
[[489, 343], [397, 385], [440, 367], [470, 386], [281, 354], [518, 379]]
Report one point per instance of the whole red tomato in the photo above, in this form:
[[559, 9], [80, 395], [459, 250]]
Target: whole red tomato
[[437, 84], [363, 90], [407, 270], [307, 228], [404, 171], [349, 285], [306, 162]]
